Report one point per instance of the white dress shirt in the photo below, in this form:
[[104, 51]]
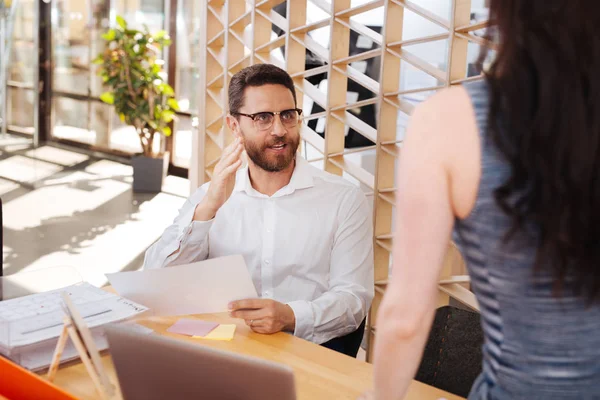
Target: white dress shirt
[[310, 246]]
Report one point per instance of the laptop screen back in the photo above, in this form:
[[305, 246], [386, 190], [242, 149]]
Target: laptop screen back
[[153, 367]]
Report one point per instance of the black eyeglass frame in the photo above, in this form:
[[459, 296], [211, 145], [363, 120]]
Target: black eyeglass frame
[[272, 113]]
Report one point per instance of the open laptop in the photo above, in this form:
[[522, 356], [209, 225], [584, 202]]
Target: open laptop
[[153, 367]]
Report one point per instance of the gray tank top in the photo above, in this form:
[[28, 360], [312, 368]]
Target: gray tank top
[[536, 346]]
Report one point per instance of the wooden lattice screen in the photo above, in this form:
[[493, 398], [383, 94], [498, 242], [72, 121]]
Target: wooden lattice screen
[[241, 33]]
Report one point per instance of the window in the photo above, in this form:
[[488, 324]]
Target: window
[[21, 71], [79, 115]]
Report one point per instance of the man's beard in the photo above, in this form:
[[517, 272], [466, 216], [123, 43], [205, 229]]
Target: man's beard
[[270, 161]]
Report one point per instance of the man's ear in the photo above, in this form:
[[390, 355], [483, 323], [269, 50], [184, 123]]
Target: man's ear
[[234, 125]]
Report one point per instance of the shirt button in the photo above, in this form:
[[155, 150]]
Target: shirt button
[[267, 262], [268, 230]]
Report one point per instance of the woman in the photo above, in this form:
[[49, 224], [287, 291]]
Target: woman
[[512, 165]]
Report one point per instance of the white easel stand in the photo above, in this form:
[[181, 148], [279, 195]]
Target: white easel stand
[[69, 331]]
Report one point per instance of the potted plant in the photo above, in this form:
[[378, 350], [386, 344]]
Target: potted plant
[[131, 68]]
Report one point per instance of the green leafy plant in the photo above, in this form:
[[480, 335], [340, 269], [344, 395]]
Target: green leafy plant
[[131, 68]]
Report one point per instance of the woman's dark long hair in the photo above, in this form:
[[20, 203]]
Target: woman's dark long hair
[[545, 119]]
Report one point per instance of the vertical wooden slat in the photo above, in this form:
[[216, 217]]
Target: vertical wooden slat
[[234, 52], [212, 110], [461, 16], [295, 53], [385, 162], [261, 35], [337, 87]]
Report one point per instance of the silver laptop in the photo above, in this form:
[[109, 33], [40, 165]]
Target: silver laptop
[[154, 367]]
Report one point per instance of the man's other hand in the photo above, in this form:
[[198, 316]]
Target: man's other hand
[[264, 315]]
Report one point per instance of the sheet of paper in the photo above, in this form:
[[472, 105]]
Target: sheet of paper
[[221, 332], [192, 327], [198, 288]]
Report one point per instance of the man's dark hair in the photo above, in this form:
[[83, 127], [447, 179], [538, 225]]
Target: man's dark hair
[[256, 75]]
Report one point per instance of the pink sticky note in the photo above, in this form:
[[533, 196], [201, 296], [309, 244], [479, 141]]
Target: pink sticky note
[[192, 327]]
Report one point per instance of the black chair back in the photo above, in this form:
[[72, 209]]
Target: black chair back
[[452, 357], [348, 344]]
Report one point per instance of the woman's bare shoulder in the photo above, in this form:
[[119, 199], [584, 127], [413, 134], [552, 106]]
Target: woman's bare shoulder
[[448, 130], [446, 104]]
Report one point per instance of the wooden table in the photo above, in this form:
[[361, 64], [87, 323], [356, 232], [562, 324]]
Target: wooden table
[[320, 373]]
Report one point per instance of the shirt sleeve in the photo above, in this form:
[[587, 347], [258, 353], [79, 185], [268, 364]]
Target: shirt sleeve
[[182, 242], [343, 307]]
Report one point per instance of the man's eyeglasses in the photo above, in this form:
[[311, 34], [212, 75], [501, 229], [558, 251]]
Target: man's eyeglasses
[[264, 120]]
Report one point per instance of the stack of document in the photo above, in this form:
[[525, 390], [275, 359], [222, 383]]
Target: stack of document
[[30, 325]]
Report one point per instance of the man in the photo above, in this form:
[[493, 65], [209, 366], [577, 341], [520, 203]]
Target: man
[[305, 234]]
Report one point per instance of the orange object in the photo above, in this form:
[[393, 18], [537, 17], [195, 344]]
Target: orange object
[[16, 383]]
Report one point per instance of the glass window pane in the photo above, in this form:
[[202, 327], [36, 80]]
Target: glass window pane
[[186, 88], [183, 142], [76, 41], [20, 108], [188, 34], [22, 62], [71, 120], [124, 137], [138, 13], [100, 116], [23, 52], [25, 20], [70, 46], [77, 29], [99, 25]]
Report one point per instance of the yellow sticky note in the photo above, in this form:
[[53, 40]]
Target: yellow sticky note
[[221, 332]]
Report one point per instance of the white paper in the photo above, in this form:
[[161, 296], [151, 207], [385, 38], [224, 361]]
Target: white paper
[[197, 288]]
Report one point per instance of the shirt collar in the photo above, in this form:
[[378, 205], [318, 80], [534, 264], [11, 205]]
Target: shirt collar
[[302, 178]]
